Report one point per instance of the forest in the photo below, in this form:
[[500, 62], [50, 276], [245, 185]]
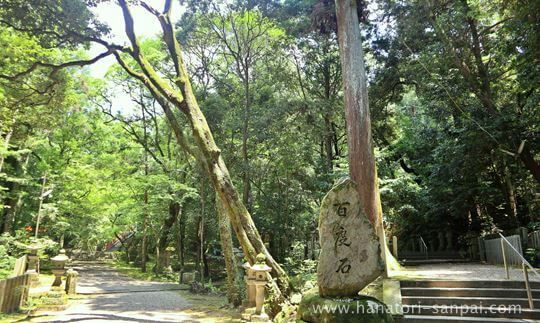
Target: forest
[[224, 130]]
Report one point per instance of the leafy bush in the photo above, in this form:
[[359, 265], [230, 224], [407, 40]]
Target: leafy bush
[[13, 247], [533, 256], [6, 262]]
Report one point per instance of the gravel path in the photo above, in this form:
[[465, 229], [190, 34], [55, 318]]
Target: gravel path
[[113, 297]]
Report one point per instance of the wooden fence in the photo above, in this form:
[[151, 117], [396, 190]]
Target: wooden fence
[[13, 293], [534, 240], [494, 251]]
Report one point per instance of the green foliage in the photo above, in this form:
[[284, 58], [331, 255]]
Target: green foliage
[[449, 113]]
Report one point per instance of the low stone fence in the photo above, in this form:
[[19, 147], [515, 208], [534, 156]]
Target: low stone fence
[[13, 293]]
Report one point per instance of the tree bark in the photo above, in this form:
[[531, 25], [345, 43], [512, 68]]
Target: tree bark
[[233, 275], [362, 167], [200, 234]]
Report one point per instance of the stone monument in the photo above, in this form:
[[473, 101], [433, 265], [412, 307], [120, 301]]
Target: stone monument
[[350, 259], [350, 255]]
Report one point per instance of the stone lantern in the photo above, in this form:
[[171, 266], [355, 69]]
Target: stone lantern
[[250, 278], [260, 269], [59, 263], [33, 258], [33, 264]]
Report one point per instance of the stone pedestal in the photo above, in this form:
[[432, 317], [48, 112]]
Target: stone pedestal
[[33, 258], [256, 280], [56, 299], [58, 273], [249, 278], [34, 277], [364, 309], [71, 282]]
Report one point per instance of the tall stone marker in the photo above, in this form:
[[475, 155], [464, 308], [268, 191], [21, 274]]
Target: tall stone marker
[[350, 255]]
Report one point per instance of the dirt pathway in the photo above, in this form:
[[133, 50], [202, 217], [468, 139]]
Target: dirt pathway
[[110, 296]]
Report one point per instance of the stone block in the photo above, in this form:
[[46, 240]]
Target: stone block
[[317, 309], [350, 255]]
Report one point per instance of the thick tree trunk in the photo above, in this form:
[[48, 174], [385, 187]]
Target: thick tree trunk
[[200, 234], [362, 167], [233, 275]]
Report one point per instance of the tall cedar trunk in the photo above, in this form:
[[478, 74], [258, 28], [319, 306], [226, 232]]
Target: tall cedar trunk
[[362, 168], [208, 154], [328, 143], [233, 275], [328, 130]]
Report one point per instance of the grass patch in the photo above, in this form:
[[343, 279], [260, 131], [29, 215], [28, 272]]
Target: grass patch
[[9, 318], [136, 273]]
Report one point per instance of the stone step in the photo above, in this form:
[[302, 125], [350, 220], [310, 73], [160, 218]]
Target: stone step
[[457, 319], [508, 312], [514, 284], [469, 292], [458, 301], [423, 261]]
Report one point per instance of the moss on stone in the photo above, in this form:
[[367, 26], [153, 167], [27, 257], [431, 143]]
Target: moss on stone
[[366, 309]]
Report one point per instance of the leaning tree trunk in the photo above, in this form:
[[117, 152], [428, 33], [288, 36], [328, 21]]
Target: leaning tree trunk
[[234, 294], [209, 154], [362, 167]]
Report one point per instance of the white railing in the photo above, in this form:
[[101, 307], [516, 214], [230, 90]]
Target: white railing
[[524, 265], [423, 247]]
